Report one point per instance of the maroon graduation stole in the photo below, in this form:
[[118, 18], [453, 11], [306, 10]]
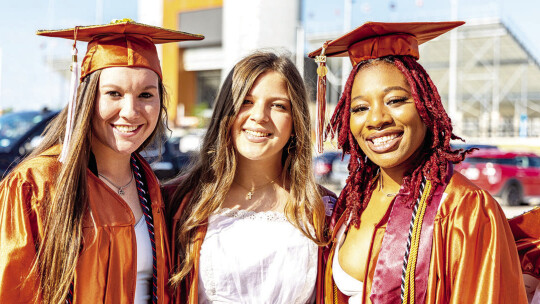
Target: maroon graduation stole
[[401, 273]]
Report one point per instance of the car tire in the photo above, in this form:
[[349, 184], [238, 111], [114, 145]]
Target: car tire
[[511, 195]]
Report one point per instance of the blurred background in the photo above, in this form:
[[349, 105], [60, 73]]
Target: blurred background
[[487, 71]]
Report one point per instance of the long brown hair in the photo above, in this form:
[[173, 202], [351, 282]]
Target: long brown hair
[[62, 240], [211, 177], [435, 154]]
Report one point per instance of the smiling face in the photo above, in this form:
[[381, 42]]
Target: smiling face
[[384, 119], [264, 123], [127, 109]]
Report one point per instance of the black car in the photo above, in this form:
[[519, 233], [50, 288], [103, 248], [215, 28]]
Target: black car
[[20, 133], [172, 161]]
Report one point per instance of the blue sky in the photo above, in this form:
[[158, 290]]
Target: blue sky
[[28, 82]]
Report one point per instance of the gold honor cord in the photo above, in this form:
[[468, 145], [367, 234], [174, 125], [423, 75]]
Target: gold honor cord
[[415, 243]]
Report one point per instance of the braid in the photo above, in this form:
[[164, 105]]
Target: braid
[[433, 158]]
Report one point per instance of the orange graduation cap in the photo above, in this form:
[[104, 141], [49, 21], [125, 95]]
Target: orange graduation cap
[[369, 41], [121, 43]]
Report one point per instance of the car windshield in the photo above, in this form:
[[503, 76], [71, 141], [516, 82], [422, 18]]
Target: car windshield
[[15, 125]]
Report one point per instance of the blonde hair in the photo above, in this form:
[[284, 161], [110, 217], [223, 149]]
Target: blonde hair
[[209, 181], [58, 250]]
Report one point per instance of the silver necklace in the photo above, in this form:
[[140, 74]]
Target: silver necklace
[[120, 188]]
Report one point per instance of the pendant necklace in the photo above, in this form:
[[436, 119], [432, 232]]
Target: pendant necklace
[[251, 191], [120, 188]]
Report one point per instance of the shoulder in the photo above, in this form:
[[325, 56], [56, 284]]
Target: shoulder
[[526, 225], [462, 198], [43, 167], [32, 180]]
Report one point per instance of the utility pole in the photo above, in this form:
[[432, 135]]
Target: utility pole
[[452, 71], [346, 62]]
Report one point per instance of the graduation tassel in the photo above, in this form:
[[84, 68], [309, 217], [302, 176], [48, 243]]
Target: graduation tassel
[[74, 83], [322, 70]]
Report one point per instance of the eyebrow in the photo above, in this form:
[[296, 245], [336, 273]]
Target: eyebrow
[[110, 85], [386, 90], [273, 98]]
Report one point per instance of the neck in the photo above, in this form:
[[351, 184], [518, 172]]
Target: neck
[[254, 173], [114, 167]]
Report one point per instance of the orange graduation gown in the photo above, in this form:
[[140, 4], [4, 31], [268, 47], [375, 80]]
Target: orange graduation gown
[[526, 229], [473, 256], [106, 271]]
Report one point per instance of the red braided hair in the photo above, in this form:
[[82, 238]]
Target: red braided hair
[[434, 155]]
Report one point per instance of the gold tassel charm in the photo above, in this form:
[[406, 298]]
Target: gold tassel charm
[[322, 70]]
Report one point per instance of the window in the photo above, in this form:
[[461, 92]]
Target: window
[[207, 87]]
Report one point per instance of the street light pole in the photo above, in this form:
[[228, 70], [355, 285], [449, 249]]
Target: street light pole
[[1, 81]]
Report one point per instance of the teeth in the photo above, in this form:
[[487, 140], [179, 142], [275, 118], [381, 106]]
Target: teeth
[[125, 129], [379, 141], [259, 134]]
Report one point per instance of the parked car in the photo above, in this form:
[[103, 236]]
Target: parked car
[[340, 170], [172, 161], [20, 133], [514, 177], [465, 146], [322, 166]]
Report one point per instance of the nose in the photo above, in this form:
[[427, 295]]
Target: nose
[[378, 116], [129, 107], [258, 112]]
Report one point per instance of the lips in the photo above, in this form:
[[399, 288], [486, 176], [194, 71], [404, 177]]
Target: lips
[[384, 142]]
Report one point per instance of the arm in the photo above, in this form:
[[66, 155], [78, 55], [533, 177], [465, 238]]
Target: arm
[[18, 234], [483, 265]]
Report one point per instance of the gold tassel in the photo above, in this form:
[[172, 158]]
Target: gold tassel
[[322, 70]]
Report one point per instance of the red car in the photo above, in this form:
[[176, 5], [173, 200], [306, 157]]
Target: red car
[[512, 176]]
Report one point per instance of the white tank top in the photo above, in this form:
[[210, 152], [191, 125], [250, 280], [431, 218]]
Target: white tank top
[[144, 262], [347, 284]]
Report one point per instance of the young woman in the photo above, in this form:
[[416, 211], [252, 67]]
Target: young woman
[[408, 228], [88, 226], [246, 220]]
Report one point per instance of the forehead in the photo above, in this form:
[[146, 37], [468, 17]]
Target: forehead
[[121, 75], [379, 75], [269, 79]]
